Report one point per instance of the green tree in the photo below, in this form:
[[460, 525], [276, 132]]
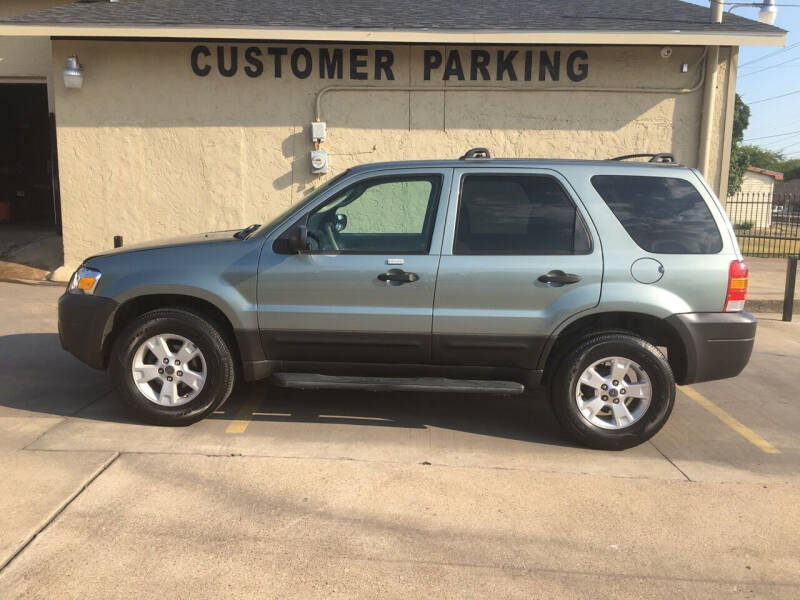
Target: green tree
[[739, 157], [764, 158], [791, 169]]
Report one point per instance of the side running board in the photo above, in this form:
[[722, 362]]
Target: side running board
[[313, 381]]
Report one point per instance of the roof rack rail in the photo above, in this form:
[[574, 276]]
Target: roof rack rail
[[476, 154], [661, 157]]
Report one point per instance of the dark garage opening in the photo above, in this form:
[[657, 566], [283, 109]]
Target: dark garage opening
[[27, 157]]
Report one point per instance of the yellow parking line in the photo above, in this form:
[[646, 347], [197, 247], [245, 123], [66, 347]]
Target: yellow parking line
[[244, 416], [739, 427]]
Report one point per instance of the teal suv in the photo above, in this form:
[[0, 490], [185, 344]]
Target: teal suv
[[605, 281]]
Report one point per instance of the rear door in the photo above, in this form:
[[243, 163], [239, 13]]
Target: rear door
[[519, 257], [363, 292]]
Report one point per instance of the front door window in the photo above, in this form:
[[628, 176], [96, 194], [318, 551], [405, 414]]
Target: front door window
[[378, 216]]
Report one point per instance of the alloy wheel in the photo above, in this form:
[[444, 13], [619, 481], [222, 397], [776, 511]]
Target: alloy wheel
[[613, 393], [169, 370]]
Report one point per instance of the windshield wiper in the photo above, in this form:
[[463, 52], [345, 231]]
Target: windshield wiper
[[241, 235]]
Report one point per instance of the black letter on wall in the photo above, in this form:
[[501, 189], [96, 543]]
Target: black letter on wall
[[358, 61], [432, 60], [505, 63], [548, 66], [453, 66], [277, 53], [528, 64], [224, 71], [479, 62], [384, 59], [255, 66], [306, 70], [582, 71], [330, 67], [196, 52]]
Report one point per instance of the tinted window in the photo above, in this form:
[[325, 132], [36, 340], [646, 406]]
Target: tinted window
[[662, 214], [517, 214], [381, 215]]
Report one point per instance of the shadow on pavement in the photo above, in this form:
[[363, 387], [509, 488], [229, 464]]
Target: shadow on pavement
[[38, 376], [523, 418]]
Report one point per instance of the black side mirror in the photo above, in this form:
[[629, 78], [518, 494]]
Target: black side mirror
[[341, 222], [298, 242]]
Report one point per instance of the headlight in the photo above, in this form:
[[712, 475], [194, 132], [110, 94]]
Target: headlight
[[84, 281]]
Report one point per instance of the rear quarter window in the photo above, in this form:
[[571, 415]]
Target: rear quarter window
[[663, 215]]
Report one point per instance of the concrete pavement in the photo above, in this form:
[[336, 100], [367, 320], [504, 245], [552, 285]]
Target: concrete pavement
[[767, 285], [309, 495]]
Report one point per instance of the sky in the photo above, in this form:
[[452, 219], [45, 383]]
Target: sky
[[762, 76]]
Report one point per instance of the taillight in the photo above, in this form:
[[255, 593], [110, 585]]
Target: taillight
[[737, 286]]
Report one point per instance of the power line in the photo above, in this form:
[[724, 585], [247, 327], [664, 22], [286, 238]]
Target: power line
[[770, 55], [782, 123], [784, 149], [764, 137], [775, 144], [756, 72], [773, 97], [781, 140]]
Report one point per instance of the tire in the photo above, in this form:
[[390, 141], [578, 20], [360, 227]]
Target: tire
[[608, 429], [184, 333]]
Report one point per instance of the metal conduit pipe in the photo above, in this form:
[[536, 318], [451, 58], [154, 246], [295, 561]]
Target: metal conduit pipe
[[491, 88]]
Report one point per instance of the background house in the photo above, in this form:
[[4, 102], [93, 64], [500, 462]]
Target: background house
[[752, 208]]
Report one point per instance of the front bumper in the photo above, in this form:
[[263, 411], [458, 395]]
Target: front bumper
[[84, 321], [717, 345]]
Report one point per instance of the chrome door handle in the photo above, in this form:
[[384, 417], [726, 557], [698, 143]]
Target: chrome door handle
[[557, 276], [398, 276]]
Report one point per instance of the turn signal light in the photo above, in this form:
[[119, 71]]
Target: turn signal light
[[86, 283], [737, 286]]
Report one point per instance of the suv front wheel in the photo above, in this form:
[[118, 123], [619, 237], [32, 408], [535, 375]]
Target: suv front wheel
[[613, 391], [171, 367]]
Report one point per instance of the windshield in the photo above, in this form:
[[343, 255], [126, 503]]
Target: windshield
[[297, 207]]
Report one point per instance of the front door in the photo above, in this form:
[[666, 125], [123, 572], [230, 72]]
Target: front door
[[363, 289], [517, 259]]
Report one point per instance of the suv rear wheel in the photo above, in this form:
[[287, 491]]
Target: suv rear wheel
[[613, 391], [171, 367]]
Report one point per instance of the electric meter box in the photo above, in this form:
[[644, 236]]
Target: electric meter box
[[319, 161]]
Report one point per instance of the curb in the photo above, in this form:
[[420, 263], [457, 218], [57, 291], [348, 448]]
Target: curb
[[32, 281], [769, 306]]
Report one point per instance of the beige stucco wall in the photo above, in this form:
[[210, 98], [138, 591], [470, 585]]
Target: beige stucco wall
[[148, 149]]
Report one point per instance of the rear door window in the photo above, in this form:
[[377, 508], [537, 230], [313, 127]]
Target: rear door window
[[517, 215], [663, 215]]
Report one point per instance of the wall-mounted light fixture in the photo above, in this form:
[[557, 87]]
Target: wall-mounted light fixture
[[73, 73]]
